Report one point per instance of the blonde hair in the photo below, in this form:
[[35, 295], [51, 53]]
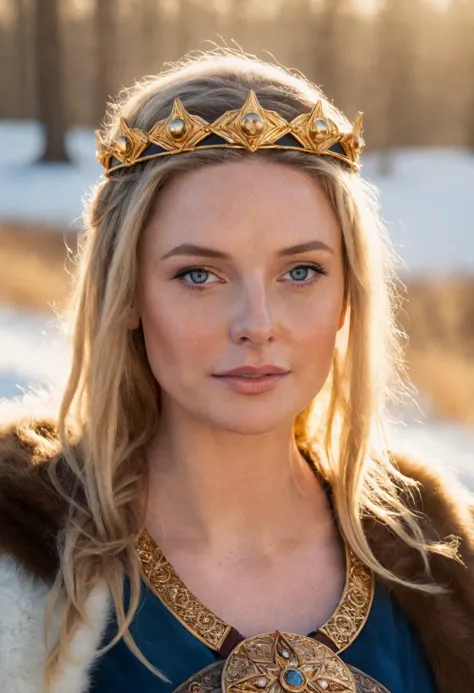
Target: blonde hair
[[111, 403]]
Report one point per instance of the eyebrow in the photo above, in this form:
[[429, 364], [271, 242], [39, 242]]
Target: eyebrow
[[202, 251]]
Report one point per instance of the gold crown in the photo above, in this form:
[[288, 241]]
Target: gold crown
[[252, 127]]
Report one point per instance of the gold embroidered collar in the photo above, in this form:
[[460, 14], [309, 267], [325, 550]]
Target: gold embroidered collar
[[337, 633], [270, 662]]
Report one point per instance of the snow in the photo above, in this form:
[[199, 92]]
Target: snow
[[50, 194], [426, 200], [33, 352]]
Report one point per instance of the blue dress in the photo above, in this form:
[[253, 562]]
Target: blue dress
[[387, 649]]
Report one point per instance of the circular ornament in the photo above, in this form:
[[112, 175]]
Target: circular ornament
[[252, 124], [123, 144], [177, 128], [285, 663], [319, 130], [358, 144]]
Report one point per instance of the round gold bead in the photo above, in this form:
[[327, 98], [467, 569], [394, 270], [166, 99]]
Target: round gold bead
[[123, 143], [177, 128], [252, 124], [319, 130], [358, 144]]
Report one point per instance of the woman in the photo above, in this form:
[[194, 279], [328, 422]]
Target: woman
[[215, 506]]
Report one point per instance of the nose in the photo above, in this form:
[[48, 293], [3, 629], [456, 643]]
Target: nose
[[252, 321]]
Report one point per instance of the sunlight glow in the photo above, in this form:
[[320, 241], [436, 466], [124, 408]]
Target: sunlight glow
[[371, 6]]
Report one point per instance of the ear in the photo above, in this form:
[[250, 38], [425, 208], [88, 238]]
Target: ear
[[342, 316], [133, 318]]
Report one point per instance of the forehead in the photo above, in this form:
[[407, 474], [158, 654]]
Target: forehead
[[262, 203]]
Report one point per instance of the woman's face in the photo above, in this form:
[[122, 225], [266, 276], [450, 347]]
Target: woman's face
[[240, 266]]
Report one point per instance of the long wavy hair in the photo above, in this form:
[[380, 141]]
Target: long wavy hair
[[111, 404]]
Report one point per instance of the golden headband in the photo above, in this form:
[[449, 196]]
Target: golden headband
[[252, 127]]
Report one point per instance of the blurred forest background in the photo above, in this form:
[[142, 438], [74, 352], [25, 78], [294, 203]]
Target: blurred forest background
[[408, 64]]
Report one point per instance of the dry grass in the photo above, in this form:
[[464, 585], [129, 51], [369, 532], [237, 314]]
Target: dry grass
[[438, 315], [439, 319], [34, 266]]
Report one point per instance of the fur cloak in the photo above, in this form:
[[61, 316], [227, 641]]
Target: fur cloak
[[31, 514]]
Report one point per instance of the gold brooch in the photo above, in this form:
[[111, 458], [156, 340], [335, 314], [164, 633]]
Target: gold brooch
[[252, 128], [279, 661], [285, 663]]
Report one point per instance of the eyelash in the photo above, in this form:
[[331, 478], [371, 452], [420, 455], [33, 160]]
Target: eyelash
[[298, 285]]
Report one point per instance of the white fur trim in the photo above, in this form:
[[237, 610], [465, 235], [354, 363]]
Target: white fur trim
[[23, 602]]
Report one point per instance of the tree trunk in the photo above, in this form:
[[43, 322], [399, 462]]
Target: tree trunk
[[397, 61], [104, 31], [49, 83], [327, 47]]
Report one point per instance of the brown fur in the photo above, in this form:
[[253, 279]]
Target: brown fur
[[31, 515]]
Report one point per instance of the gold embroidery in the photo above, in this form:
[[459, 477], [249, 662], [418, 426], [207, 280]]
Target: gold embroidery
[[353, 610], [342, 628], [366, 684], [172, 592]]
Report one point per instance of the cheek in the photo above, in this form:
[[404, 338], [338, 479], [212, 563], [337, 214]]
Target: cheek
[[314, 332], [175, 338]]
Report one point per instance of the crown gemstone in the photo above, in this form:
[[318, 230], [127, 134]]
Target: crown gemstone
[[319, 130], [252, 124], [261, 682], [285, 654], [123, 143], [177, 128], [293, 678], [323, 684]]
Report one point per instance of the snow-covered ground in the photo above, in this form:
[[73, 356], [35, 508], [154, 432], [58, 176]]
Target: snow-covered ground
[[426, 201]]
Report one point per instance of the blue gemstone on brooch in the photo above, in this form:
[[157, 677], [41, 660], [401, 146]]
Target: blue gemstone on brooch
[[293, 678]]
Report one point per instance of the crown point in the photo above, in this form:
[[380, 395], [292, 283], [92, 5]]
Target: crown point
[[358, 126], [123, 126]]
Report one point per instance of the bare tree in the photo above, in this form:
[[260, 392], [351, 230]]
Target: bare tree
[[149, 22], [22, 38], [49, 83], [326, 46], [104, 16], [463, 63], [397, 61]]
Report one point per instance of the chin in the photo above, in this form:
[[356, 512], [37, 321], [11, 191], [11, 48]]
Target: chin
[[245, 421]]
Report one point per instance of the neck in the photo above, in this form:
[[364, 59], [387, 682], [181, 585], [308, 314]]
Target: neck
[[225, 493]]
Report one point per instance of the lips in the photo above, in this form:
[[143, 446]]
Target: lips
[[252, 380], [253, 371]]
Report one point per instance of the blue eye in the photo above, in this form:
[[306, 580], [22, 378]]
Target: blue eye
[[306, 274], [198, 276], [300, 273]]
